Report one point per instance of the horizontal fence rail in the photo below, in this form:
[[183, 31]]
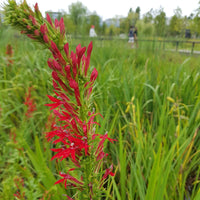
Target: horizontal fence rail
[[176, 44]]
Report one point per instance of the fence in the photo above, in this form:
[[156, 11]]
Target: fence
[[178, 45], [168, 45]]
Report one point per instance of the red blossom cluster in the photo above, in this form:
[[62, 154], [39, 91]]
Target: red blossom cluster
[[30, 103], [75, 131], [13, 136], [9, 54], [19, 183]]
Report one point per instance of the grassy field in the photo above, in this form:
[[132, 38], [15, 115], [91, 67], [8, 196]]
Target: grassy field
[[150, 100]]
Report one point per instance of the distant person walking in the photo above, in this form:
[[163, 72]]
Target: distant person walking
[[131, 36], [92, 32], [135, 34]]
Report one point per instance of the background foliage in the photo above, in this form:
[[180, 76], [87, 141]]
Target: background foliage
[[154, 23]]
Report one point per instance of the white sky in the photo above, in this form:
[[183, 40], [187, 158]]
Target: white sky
[[111, 8]]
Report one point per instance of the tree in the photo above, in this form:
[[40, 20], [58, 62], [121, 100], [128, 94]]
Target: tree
[[103, 28], [133, 17], [160, 22], [145, 29], [195, 22], [70, 26], [148, 17], [196, 25], [174, 26], [112, 30], [124, 25], [77, 13], [137, 11], [176, 23]]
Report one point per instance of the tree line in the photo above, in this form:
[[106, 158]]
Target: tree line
[[154, 23]]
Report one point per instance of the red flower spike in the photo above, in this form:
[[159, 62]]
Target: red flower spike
[[65, 117], [101, 155], [30, 103], [50, 63], [80, 51], [9, 50], [36, 32], [55, 86], [28, 27], [66, 49], [19, 196], [74, 64], [94, 75], [56, 23], [63, 85], [57, 66], [45, 38], [73, 84], [54, 48], [62, 26], [67, 177], [56, 53], [74, 126], [89, 90], [53, 99], [70, 109], [62, 96], [43, 29], [55, 76], [103, 138], [57, 113], [87, 61], [65, 153], [54, 65], [49, 19], [108, 172], [36, 8], [34, 22], [54, 105], [68, 72]]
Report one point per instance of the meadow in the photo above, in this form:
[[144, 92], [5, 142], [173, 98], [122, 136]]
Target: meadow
[[150, 100]]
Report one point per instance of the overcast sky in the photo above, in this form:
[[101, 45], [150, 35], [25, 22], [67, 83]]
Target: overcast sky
[[111, 8]]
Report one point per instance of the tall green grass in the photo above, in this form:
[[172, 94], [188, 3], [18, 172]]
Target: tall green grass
[[150, 100]]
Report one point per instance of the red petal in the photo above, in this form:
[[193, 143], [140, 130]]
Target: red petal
[[94, 75], [87, 63], [66, 49], [59, 181], [49, 19]]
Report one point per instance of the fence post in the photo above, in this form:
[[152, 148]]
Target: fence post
[[177, 43], [193, 43]]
